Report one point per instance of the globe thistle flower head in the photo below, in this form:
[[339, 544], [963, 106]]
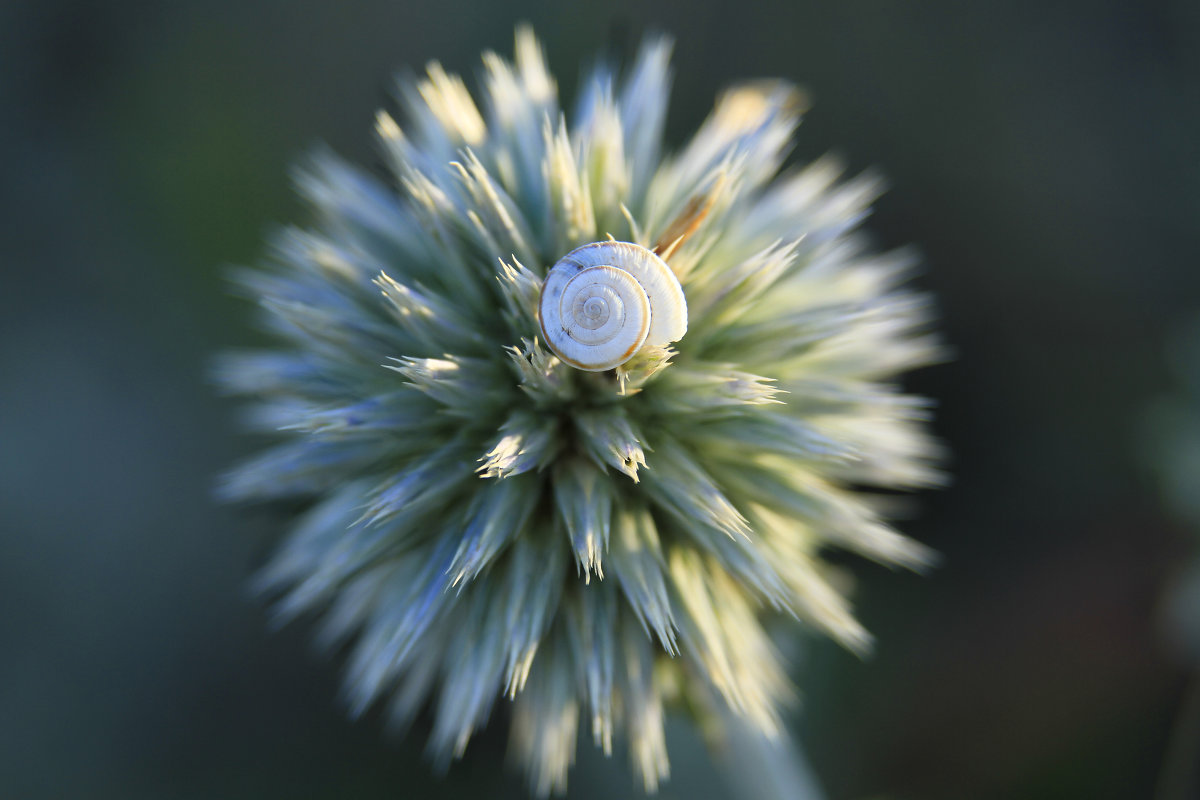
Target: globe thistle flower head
[[488, 523]]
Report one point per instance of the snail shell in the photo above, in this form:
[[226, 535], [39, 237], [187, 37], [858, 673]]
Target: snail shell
[[603, 302]]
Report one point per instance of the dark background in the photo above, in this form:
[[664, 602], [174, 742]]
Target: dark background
[[1043, 156]]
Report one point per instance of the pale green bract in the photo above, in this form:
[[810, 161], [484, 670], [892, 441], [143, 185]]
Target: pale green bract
[[1172, 445], [489, 525]]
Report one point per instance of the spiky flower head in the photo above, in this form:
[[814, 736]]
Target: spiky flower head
[[489, 523]]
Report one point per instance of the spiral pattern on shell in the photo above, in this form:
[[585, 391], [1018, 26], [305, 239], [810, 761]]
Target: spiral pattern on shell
[[604, 301]]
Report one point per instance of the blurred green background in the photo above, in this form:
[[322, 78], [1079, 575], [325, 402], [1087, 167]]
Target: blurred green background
[[1043, 157]]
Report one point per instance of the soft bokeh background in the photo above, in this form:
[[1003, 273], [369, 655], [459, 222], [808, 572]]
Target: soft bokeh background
[[1043, 156]]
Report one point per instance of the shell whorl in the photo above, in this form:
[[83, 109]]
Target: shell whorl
[[603, 302]]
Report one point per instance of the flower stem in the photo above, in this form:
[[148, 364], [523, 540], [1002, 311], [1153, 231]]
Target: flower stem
[[1180, 777], [758, 767]]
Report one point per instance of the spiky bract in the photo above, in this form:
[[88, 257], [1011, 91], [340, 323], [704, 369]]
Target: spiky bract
[[488, 523]]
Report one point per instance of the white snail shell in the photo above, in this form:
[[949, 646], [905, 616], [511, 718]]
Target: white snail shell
[[603, 302]]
